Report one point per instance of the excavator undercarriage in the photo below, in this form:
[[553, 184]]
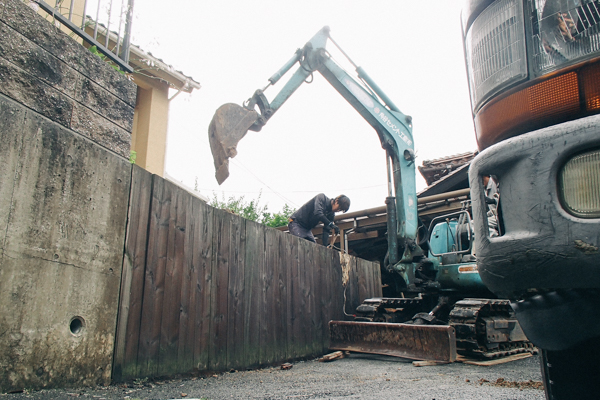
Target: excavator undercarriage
[[475, 328]]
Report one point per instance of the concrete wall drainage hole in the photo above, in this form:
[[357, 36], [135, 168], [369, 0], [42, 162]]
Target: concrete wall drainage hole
[[76, 326]]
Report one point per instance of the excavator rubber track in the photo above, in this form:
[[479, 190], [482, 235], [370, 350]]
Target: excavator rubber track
[[384, 309], [488, 328]]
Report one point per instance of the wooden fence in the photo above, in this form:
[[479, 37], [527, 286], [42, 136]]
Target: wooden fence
[[206, 290]]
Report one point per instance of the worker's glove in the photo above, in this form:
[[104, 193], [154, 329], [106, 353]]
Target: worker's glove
[[334, 227]]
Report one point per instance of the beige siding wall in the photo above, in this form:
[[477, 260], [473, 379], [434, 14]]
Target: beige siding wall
[[150, 125]]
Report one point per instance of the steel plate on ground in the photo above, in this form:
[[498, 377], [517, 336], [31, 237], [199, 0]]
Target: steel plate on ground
[[416, 342]]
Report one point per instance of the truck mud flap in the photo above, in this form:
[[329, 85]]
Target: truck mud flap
[[415, 342]]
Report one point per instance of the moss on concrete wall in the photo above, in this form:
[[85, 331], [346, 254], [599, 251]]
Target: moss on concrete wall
[[65, 123]]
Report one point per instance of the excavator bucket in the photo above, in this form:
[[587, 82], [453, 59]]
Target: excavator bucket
[[415, 342], [227, 127]]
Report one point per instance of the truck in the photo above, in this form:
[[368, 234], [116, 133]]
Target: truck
[[534, 77], [440, 306]]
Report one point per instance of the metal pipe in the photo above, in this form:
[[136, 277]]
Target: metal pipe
[[282, 71], [390, 183], [343, 52], [71, 10], [187, 81], [83, 15], [108, 25], [97, 19], [363, 75], [444, 196], [120, 27], [127, 36], [422, 200], [392, 229]]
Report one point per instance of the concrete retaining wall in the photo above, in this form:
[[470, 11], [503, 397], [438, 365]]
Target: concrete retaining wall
[[65, 179], [65, 122], [51, 74]]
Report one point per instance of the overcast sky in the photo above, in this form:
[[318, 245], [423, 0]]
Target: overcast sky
[[316, 142]]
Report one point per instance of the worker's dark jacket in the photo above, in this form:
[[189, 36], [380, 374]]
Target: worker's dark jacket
[[318, 209]]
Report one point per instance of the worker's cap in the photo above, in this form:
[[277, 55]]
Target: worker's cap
[[344, 202]]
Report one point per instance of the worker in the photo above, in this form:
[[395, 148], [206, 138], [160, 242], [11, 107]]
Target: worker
[[319, 209]]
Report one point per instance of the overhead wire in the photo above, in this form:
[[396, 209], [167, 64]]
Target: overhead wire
[[261, 181]]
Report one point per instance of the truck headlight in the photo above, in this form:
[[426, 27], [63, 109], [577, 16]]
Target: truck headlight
[[579, 185], [530, 64], [563, 31], [495, 49]]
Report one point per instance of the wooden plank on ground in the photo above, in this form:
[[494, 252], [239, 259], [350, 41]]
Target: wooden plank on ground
[[428, 363], [132, 287], [493, 361]]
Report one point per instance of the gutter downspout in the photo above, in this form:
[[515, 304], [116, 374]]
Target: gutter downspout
[[186, 84]]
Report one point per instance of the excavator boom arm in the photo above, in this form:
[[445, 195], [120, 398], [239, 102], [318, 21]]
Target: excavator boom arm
[[393, 127]]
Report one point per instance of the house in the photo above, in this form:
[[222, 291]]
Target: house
[[154, 78]]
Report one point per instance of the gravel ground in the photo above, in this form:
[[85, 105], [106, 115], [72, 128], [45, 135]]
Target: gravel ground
[[354, 377]]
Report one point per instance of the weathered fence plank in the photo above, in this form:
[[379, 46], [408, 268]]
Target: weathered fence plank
[[169, 331], [325, 304], [154, 280], [283, 319], [336, 309], [185, 345], [275, 338], [302, 302], [254, 258], [132, 282], [315, 275], [235, 312], [291, 263], [203, 261], [208, 290], [219, 300]]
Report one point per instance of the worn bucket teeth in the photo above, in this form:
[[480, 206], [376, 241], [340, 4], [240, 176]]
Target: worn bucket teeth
[[227, 127]]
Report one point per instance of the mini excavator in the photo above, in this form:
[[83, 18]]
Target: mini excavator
[[442, 308]]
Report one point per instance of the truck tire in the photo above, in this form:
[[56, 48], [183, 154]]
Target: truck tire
[[572, 373]]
